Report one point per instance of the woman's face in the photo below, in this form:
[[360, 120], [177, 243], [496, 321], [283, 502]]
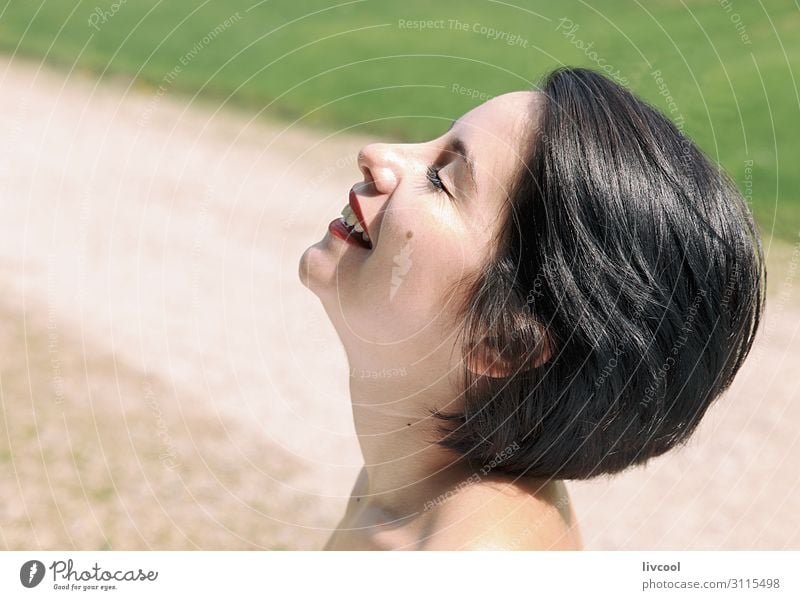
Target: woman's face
[[423, 239]]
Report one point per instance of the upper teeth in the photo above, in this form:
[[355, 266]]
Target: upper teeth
[[351, 219]]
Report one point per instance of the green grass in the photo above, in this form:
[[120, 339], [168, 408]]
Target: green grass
[[352, 67]]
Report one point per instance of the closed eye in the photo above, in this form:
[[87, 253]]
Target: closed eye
[[432, 175]]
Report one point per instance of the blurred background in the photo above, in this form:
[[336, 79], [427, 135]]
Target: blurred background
[[165, 380]]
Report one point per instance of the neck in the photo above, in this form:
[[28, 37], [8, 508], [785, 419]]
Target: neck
[[404, 467]]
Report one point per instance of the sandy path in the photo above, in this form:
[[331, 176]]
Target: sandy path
[[154, 248], [173, 245]]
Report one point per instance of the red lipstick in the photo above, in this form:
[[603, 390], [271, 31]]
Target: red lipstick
[[339, 229]]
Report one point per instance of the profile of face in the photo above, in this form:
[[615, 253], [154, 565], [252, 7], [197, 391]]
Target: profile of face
[[553, 248], [430, 211]]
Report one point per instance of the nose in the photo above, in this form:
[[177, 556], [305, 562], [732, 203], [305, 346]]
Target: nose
[[380, 164]]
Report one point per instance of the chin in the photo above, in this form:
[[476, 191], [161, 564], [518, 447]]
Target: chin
[[317, 269]]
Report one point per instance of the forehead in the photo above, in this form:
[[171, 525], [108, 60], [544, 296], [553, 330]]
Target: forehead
[[495, 134], [503, 118], [496, 131]]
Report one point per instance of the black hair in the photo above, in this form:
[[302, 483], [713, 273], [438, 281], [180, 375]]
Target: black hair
[[625, 291]]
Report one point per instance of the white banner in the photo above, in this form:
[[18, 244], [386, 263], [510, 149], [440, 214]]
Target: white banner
[[400, 575]]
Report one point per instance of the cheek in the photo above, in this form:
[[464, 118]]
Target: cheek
[[419, 257]]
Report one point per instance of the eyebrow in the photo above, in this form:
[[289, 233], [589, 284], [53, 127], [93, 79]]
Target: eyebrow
[[457, 146]]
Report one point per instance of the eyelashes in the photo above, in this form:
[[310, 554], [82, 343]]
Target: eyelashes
[[432, 175]]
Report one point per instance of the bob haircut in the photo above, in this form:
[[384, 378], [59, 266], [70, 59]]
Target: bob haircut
[[624, 292]]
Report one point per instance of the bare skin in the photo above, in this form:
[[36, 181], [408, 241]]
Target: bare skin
[[392, 310], [494, 513]]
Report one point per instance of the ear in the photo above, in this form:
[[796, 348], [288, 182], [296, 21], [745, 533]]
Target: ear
[[488, 361]]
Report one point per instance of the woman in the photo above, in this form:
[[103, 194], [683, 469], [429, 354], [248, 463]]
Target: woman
[[555, 288]]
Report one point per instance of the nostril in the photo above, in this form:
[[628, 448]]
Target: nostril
[[367, 174], [362, 165], [373, 164]]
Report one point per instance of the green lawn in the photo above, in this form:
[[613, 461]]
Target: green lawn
[[359, 65]]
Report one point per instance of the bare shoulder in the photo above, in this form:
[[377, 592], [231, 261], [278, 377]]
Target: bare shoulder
[[501, 514]]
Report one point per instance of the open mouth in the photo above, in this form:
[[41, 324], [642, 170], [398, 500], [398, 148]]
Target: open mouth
[[350, 226]]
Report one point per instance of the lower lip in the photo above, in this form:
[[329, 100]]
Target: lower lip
[[339, 230]]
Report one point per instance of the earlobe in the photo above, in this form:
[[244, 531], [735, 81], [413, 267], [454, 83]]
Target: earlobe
[[487, 361], [484, 362]]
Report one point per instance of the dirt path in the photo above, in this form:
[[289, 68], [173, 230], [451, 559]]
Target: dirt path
[[162, 380]]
